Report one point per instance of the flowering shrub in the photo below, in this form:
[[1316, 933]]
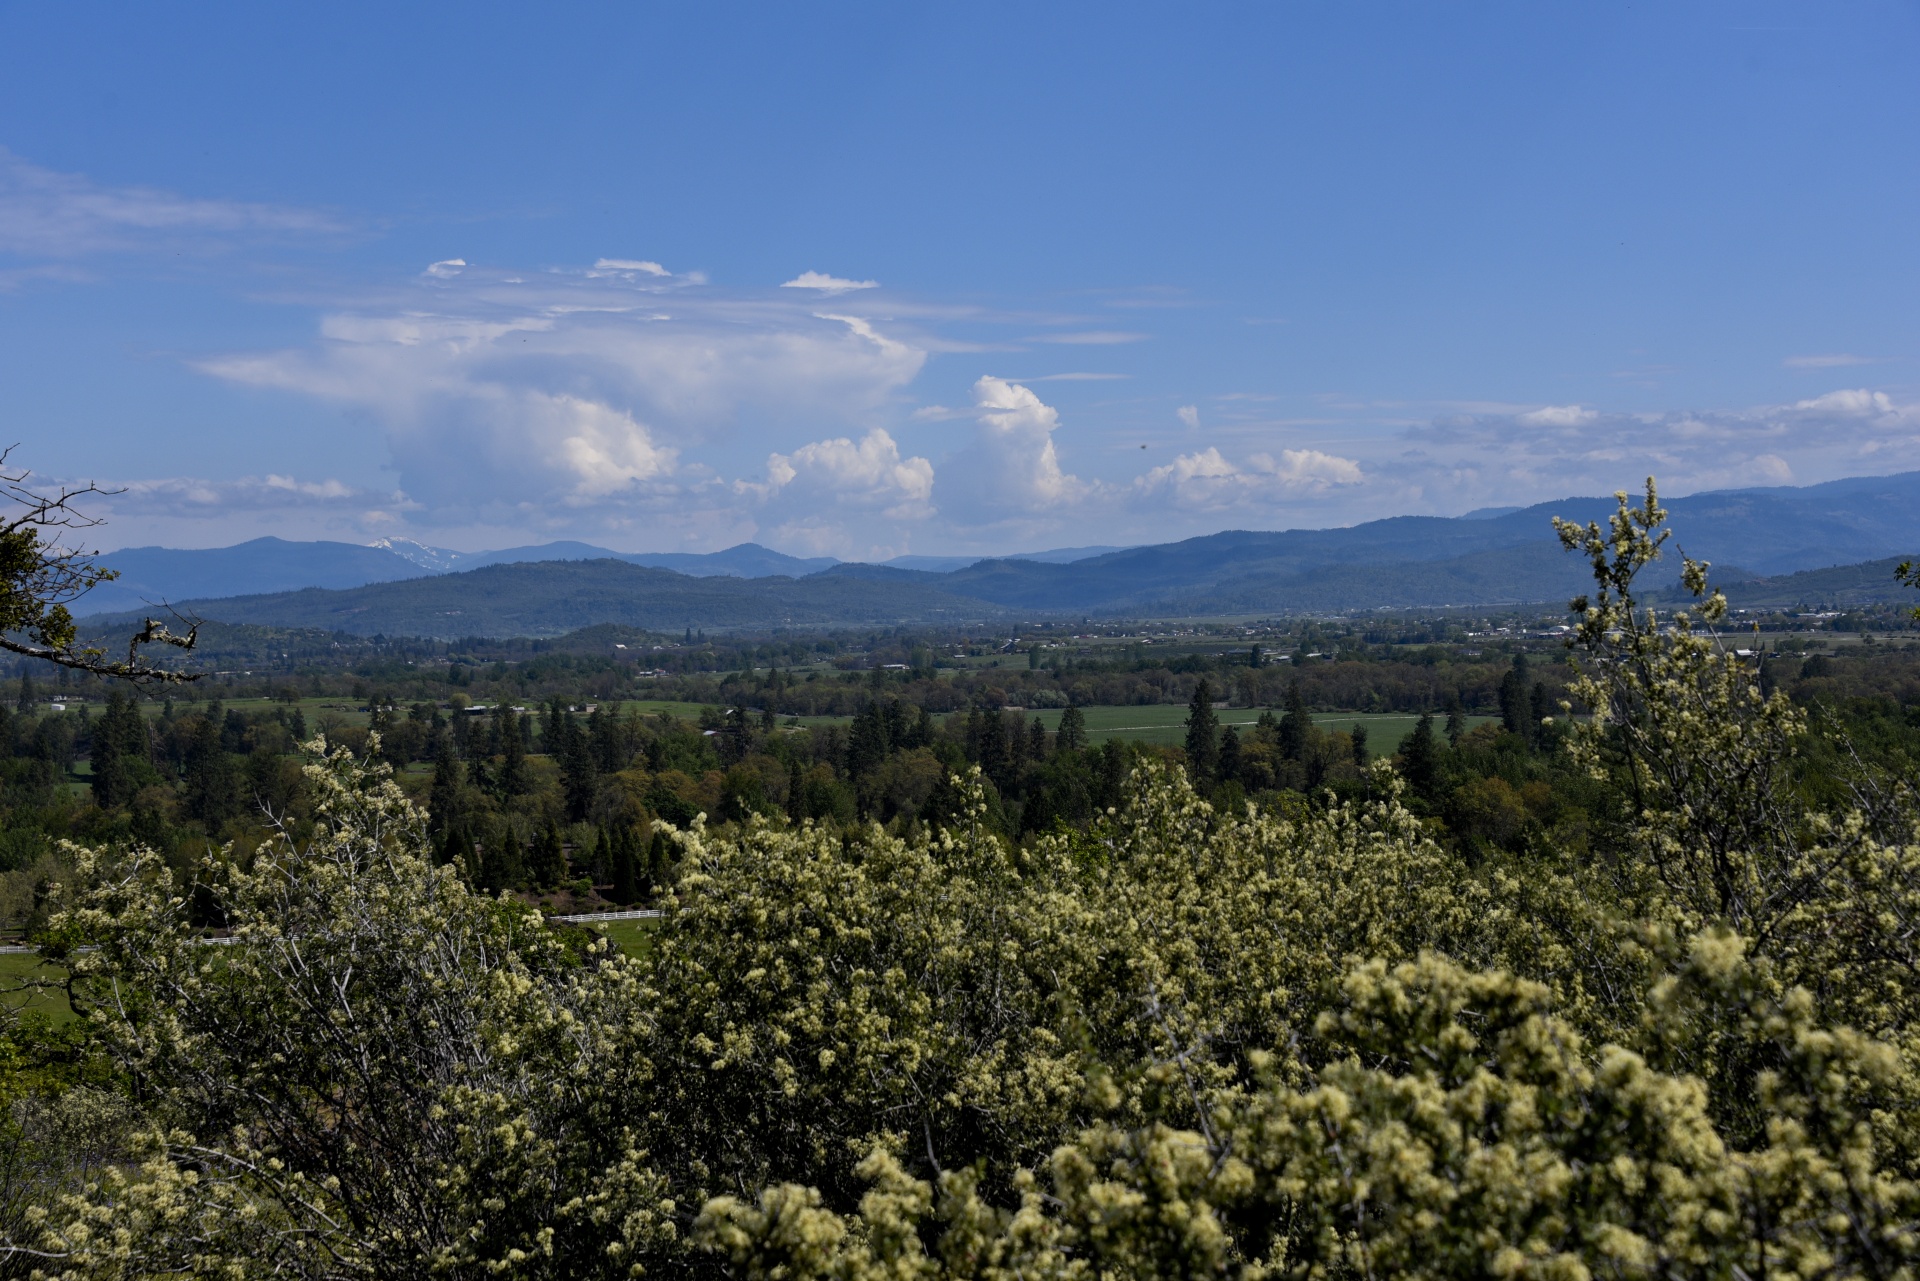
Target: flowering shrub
[[1180, 1042]]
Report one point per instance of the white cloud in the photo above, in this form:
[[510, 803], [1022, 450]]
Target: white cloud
[[1856, 403], [1529, 457], [573, 391], [639, 265], [1559, 416], [446, 268], [869, 472], [605, 447], [310, 489], [46, 214], [1190, 415], [827, 284], [1208, 480], [1010, 468]]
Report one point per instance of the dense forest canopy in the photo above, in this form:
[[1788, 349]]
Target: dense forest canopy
[[1604, 965]]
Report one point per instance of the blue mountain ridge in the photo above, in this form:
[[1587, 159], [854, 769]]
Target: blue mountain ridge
[[1494, 555]]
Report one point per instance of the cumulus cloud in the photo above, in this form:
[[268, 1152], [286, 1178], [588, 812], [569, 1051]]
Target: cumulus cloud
[[823, 283], [47, 214], [868, 473], [1010, 467], [1207, 479], [510, 394]]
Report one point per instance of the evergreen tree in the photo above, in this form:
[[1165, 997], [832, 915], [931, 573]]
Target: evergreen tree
[[602, 870], [1514, 697], [549, 864], [502, 865], [578, 779], [1229, 767], [1359, 736], [866, 741], [603, 732], [1295, 724], [1420, 758], [994, 758], [1036, 741], [119, 748], [626, 866], [1538, 710], [1203, 734], [209, 780], [653, 870], [922, 733], [1072, 736], [796, 791], [1456, 719], [456, 848], [513, 754], [735, 738], [25, 701], [443, 797]]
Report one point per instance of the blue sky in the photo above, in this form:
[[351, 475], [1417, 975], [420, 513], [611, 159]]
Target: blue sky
[[870, 279]]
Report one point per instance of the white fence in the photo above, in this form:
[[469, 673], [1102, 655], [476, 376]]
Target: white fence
[[632, 914]]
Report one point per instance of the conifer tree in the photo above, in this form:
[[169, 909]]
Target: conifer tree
[[796, 791], [578, 778], [602, 870], [513, 754], [1072, 735], [444, 795], [626, 866], [866, 741], [119, 746], [1514, 697], [502, 865], [1358, 734], [1229, 767], [1203, 734], [1456, 719], [1295, 724], [1420, 759], [549, 864]]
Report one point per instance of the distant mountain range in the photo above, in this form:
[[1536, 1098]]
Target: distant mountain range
[[1493, 556], [149, 575]]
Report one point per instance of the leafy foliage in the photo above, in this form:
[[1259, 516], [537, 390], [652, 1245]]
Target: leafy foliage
[[1191, 1036]]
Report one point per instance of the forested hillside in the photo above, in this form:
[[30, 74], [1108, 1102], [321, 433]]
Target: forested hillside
[[1618, 982]]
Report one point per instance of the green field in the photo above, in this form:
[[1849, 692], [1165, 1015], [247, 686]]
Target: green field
[[634, 938], [1167, 723], [15, 968], [1154, 723]]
